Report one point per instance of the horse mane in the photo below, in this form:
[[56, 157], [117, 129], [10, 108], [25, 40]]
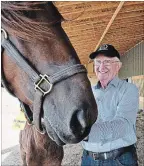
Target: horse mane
[[19, 19]]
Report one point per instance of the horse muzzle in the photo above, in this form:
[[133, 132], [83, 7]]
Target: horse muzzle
[[64, 131]]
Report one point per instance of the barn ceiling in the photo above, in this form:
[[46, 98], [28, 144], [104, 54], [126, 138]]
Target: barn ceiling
[[89, 24]]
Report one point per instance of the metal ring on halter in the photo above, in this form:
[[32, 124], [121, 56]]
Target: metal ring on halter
[[30, 124], [41, 132], [5, 33]]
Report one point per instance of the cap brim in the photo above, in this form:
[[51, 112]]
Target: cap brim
[[94, 54]]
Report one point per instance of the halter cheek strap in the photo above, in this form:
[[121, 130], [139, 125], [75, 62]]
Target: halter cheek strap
[[43, 84]]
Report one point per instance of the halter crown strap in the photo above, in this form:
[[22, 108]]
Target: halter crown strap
[[35, 76], [46, 81], [19, 59]]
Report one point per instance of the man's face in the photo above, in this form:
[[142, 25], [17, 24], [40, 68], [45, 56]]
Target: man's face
[[106, 68]]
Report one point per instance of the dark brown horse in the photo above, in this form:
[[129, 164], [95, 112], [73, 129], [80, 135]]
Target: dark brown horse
[[37, 53]]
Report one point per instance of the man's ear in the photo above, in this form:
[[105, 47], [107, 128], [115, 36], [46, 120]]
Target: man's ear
[[119, 66]]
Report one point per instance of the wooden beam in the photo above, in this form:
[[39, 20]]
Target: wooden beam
[[110, 23], [137, 77]]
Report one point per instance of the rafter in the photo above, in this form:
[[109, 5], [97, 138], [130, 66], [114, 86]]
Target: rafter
[[110, 23]]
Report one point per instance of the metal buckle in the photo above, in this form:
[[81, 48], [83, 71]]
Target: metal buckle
[[43, 78], [94, 155], [97, 156]]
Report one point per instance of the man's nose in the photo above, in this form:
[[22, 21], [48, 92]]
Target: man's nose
[[102, 66]]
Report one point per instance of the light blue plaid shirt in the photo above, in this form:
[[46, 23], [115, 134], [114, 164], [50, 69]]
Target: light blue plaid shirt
[[117, 110]]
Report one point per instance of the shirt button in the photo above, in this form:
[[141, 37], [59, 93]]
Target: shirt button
[[98, 100]]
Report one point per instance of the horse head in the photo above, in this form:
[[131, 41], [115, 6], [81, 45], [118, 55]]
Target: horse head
[[68, 108]]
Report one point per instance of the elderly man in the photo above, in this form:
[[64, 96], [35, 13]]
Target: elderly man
[[112, 139]]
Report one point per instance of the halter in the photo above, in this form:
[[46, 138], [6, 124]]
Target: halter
[[43, 84]]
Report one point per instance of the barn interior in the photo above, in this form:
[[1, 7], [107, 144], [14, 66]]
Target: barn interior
[[90, 24]]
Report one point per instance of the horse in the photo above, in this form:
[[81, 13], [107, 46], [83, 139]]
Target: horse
[[42, 69]]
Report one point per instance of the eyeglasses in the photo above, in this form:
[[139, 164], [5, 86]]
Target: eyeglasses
[[105, 62]]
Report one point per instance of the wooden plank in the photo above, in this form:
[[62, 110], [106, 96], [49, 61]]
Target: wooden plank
[[83, 14], [101, 20], [93, 31], [86, 5], [138, 77], [79, 27], [71, 7], [81, 41]]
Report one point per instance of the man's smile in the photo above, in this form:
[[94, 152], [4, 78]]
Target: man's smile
[[103, 72]]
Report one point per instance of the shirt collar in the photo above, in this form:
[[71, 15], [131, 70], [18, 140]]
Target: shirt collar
[[113, 82]]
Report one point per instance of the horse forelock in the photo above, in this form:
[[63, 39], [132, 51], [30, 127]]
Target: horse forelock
[[19, 19]]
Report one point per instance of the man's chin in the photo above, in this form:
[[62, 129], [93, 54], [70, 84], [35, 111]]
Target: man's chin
[[104, 81], [102, 77]]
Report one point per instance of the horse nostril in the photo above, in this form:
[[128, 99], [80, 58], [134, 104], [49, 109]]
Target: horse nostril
[[81, 118], [79, 122]]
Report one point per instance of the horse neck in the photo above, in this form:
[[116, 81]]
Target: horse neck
[[41, 145]]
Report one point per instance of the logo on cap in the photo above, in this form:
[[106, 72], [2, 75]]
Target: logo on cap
[[103, 47]]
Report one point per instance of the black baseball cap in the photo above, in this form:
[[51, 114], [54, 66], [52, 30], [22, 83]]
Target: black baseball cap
[[106, 49]]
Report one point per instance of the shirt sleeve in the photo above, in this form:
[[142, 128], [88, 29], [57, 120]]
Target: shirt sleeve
[[124, 119]]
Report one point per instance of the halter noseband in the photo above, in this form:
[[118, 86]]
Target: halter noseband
[[38, 80]]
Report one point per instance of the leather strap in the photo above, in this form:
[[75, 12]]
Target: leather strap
[[27, 111], [4, 83], [37, 78], [13, 52], [32, 73], [37, 112]]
